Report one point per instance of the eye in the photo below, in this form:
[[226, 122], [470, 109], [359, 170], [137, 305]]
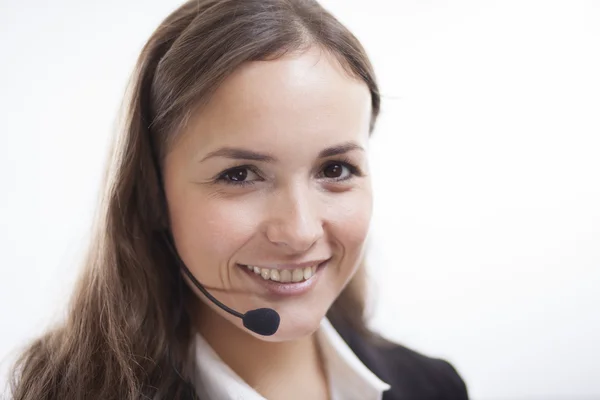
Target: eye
[[340, 170], [334, 170], [238, 176]]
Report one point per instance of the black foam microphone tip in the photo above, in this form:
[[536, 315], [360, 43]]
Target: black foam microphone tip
[[264, 321]]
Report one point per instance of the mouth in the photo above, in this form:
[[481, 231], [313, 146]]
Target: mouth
[[292, 281]]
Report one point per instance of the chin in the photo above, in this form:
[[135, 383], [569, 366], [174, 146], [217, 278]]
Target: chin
[[295, 326]]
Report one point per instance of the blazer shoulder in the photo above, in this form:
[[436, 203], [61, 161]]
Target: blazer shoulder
[[423, 376], [410, 374]]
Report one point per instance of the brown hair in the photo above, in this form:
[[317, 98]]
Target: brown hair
[[128, 329]]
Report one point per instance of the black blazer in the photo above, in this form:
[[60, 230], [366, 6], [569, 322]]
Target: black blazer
[[412, 376]]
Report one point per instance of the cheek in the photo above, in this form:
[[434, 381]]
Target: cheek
[[209, 231], [350, 219]]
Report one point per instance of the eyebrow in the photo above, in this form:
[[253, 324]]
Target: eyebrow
[[236, 153]]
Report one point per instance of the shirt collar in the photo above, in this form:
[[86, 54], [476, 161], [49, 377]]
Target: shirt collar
[[348, 377]]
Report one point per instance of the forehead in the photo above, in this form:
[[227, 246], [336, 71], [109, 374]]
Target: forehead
[[296, 99]]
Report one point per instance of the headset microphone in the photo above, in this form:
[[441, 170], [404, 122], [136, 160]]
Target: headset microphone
[[264, 321]]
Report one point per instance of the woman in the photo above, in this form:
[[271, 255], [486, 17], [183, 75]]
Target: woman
[[228, 257]]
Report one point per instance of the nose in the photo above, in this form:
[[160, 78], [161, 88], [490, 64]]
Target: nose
[[294, 221]]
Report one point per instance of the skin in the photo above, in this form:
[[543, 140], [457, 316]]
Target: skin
[[297, 208]]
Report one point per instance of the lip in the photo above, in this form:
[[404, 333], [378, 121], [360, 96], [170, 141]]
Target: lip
[[286, 289]]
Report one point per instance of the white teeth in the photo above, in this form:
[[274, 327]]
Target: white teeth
[[297, 275], [265, 273], [275, 275], [284, 275], [307, 272]]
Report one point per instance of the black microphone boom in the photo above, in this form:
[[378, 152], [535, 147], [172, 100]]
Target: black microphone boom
[[264, 321]]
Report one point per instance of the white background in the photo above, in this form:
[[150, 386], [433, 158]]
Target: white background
[[486, 233]]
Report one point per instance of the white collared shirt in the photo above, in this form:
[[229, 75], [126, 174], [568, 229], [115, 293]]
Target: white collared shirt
[[348, 377]]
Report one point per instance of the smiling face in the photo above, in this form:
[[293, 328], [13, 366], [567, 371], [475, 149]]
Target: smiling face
[[272, 173]]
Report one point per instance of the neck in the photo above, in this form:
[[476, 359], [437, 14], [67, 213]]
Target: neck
[[274, 369]]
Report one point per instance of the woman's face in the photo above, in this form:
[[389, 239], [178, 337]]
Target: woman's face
[[273, 174]]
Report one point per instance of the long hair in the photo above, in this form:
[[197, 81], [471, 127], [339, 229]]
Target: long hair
[[128, 331]]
